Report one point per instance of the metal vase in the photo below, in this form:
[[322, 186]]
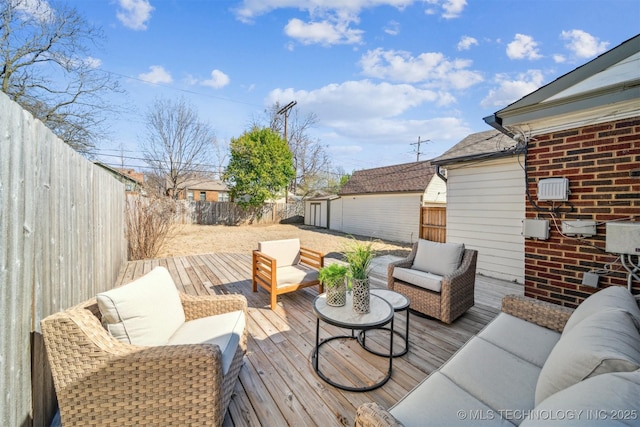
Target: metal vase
[[361, 295], [337, 295]]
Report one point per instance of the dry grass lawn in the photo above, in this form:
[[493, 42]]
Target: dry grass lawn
[[199, 239]]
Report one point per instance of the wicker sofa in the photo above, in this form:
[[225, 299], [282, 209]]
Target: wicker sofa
[[535, 364], [146, 354], [438, 278]]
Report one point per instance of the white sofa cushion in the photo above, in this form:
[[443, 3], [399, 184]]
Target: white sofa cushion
[[224, 330], [438, 401], [526, 340], [612, 297], [604, 342], [419, 278], [438, 258], [605, 400], [501, 380], [146, 311], [286, 252], [295, 274]]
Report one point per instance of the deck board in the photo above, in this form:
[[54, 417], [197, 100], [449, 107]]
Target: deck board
[[277, 385]]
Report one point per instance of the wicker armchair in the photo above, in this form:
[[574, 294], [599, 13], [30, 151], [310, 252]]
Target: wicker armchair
[[455, 297], [101, 381]]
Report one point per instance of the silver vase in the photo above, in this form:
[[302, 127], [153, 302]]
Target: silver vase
[[361, 296], [337, 295]]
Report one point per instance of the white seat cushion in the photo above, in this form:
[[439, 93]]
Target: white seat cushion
[[295, 274], [606, 400], [146, 311], [612, 297], [286, 252], [524, 339], [224, 330], [438, 258], [604, 342], [419, 278]]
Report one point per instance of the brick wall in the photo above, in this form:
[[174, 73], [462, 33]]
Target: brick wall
[[602, 163]]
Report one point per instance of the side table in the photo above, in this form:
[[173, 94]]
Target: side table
[[399, 303]]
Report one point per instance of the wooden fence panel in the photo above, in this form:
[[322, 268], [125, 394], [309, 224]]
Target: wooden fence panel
[[229, 213], [61, 242], [433, 224]]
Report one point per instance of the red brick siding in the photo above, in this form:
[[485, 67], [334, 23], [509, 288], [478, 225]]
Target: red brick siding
[[598, 161]]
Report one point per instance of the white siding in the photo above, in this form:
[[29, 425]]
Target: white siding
[[436, 192], [485, 208], [316, 213], [335, 214], [392, 217]]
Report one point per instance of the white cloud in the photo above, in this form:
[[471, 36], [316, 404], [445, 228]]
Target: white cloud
[[323, 32], [559, 59], [453, 8], [218, 80], [510, 90], [583, 44], [134, 14], [523, 47], [466, 42], [392, 28], [430, 68], [157, 75], [39, 10], [92, 62]]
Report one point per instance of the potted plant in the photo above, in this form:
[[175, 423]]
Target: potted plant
[[333, 278], [359, 255]]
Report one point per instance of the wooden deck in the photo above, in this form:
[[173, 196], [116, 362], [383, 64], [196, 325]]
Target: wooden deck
[[278, 385]]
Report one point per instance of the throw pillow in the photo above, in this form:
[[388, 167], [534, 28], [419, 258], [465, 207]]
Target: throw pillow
[[604, 342], [438, 258]]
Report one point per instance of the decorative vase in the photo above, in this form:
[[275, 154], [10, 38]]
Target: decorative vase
[[337, 295], [361, 296]]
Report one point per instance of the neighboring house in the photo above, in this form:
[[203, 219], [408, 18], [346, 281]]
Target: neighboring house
[[132, 180], [485, 202], [317, 210], [583, 127], [203, 189], [385, 202]]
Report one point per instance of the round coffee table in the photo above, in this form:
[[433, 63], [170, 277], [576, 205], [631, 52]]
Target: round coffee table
[[381, 314], [399, 303]]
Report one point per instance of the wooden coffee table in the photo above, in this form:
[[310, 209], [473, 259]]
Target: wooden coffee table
[[380, 315]]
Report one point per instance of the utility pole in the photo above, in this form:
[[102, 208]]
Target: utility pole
[[285, 111], [418, 149]]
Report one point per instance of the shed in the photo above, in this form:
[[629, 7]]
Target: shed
[[317, 210], [385, 202], [485, 202]]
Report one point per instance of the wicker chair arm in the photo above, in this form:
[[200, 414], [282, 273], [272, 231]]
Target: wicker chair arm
[[196, 307], [466, 272], [542, 313], [374, 415]]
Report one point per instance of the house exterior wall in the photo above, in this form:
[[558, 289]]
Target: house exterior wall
[[210, 196], [436, 192], [316, 213], [335, 218], [598, 160], [485, 208], [394, 217]]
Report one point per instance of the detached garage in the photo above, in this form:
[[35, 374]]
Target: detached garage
[[385, 202], [485, 203]]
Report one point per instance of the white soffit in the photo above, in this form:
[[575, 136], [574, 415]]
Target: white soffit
[[624, 71]]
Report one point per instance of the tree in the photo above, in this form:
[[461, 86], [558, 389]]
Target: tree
[[47, 69], [309, 156], [178, 146], [260, 167]]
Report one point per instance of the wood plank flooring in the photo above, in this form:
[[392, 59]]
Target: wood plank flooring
[[278, 386]]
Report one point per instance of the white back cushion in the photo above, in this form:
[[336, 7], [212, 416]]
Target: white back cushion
[[607, 298], [604, 342], [438, 258], [146, 311], [286, 252]]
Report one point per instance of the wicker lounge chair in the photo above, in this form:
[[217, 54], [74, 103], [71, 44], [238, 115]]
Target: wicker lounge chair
[[438, 279], [102, 381], [282, 266]]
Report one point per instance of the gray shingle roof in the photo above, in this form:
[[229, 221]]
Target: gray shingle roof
[[407, 177], [485, 144]]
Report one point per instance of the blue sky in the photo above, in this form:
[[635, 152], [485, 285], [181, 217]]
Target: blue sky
[[378, 74]]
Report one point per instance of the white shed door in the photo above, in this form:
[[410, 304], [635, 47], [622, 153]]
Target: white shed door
[[485, 208]]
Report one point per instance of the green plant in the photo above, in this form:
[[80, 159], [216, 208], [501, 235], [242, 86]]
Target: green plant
[[333, 275], [359, 255]]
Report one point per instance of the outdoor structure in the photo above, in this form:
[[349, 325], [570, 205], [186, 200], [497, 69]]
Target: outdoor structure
[[581, 136], [385, 202], [132, 180], [485, 202], [317, 210], [204, 190]]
